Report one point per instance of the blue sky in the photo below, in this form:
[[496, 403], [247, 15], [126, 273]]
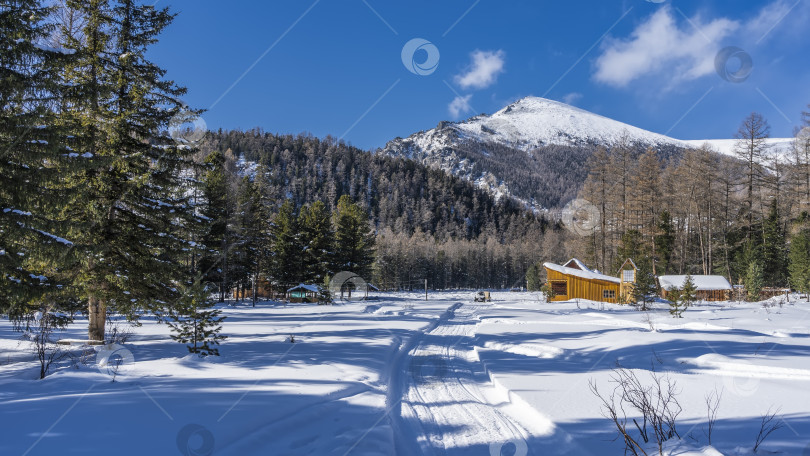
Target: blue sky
[[335, 67]]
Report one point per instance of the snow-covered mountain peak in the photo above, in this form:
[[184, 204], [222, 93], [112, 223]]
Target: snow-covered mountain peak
[[547, 141], [533, 122]]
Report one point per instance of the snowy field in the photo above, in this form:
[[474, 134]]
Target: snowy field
[[401, 375]]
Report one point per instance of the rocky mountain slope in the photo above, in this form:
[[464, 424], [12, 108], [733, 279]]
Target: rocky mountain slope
[[534, 150]]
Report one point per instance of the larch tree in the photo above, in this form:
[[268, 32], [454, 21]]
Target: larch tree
[[646, 199], [750, 146], [596, 189]]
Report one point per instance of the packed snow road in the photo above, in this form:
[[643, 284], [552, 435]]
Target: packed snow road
[[445, 402]]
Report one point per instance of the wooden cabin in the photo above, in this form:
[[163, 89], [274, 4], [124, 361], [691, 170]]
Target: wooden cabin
[[709, 287], [263, 290], [577, 281]]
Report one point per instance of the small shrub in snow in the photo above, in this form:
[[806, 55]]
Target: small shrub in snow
[[768, 425], [118, 332], [655, 402], [548, 293], [37, 328], [712, 404]]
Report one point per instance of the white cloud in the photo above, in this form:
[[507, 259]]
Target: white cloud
[[771, 18], [659, 46], [483, 70], [460, 105], [571, 98]]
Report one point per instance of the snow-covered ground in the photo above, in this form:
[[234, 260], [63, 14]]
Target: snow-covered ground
[[401, 375]]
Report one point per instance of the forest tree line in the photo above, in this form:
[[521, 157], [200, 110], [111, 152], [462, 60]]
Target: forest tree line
[[425, 223], [744, 216]]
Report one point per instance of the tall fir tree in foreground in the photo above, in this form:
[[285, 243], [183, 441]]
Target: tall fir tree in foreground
[[129, 212], [35, 157]]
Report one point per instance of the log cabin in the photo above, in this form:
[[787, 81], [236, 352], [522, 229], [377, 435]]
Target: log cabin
[[709, 287]]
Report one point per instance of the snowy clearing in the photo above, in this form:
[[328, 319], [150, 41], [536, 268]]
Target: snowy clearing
[[401, 375]]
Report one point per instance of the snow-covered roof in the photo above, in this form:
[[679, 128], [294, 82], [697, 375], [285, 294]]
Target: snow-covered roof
[[584, 274], [579, 264], [702, 282], [312, 288]]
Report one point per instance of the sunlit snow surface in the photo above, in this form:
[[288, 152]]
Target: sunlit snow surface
[[401, 375]]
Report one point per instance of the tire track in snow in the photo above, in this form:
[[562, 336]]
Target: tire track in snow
[[452, 410]]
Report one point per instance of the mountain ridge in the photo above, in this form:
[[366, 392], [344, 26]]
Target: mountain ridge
[[541, 130]]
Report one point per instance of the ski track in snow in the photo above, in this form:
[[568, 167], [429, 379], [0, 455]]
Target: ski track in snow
[[446, 403]]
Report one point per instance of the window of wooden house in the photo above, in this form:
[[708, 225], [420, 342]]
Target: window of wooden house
[[609, 294], [559, 287], [627, 275]]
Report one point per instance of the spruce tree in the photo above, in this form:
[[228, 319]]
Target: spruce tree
[[217, 211], [753, 281], [195, 323], [682, 298], [286, 268], [129, 211], [533, 282], [664, 241], [631, 246], [35, 157], [774, 258], [674, 298], [645, 289], [688, 294], [354, 240], [317, 240], [252, 223], [799, 266]]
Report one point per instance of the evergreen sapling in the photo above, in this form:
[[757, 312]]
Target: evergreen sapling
[[195, 323]]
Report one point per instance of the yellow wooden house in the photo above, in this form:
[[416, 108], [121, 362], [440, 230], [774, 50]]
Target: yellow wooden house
[[574, 280], [627, 275]]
